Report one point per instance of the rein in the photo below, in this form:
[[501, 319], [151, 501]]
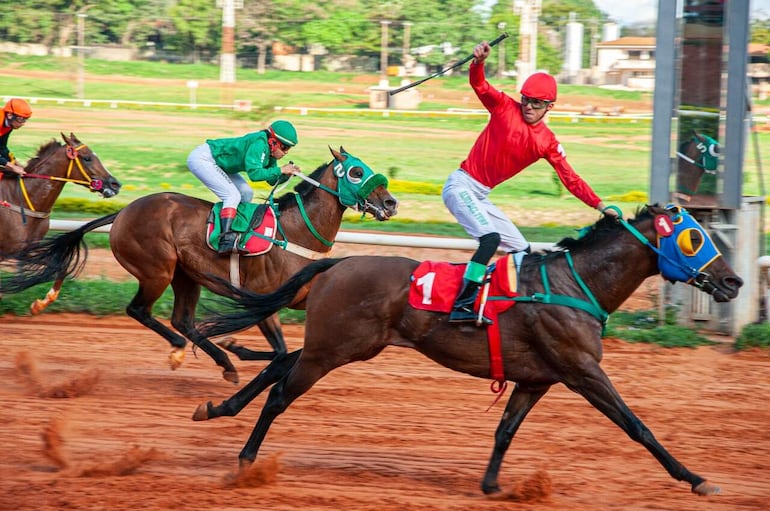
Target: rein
[[285, 245], [698, 279], [72, 154]]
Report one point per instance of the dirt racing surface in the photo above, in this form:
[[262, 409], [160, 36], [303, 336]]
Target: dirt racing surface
[[94, 419]]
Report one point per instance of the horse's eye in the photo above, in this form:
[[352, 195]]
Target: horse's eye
[[690, 242], [355, 174]]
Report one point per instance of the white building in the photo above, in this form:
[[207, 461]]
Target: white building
[[628, 61]]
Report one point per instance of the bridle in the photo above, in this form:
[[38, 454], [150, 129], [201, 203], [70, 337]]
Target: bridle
[[709, 154], [72, 153]]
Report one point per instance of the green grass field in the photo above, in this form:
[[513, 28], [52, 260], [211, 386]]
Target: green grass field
[[146, 146]]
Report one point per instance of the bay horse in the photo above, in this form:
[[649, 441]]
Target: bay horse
[[161, 240], [357, 306], [26, 201], [697, 156]]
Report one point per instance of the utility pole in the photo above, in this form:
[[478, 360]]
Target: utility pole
[[227, 57], [529, 10], [81, 49], [406, 58], [384, 53]]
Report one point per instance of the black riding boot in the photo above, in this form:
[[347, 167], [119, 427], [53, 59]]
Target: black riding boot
[[227, 237], [462, 310]]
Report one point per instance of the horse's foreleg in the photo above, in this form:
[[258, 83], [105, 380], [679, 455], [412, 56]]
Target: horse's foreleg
[[597, 388], [186, 295], [522, 400], [230, 407], [271, 329], [301, 377]]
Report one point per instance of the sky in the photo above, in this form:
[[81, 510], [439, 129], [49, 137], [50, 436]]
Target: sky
[[631, 11]]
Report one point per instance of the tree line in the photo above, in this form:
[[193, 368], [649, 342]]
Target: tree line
[[192, 29]]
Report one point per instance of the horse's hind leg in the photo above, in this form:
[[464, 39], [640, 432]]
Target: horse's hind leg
[[271, 329], [522, 399], [596, 387], [230, 407], [186, 295]]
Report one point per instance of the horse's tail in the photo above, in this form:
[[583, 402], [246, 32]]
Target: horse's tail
[[251, 308], [52, 258]]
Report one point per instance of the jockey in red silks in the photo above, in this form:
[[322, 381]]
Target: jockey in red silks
[[514, 138]]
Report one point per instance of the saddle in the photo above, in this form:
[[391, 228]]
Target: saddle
[[434, 286], [254, 223]]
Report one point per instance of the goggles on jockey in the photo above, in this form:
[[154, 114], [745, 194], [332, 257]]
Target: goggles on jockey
[[537, 104]]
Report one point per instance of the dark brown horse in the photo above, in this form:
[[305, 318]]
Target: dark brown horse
[[160, 240], [360, 305], [26, 201], [697, 156]]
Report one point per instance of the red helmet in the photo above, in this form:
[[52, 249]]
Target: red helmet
[[19, 107], [540, 86]]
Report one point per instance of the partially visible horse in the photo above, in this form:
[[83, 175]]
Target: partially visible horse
[[26, 201], [161, 240], [552, 334], [697, 156]]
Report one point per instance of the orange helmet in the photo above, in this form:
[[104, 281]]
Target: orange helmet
[[19, 107], [540, 86]]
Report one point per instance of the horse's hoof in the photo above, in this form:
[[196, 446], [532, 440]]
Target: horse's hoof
[[37, 307], [175, 358], [231, 376], [202, 412], [491, 490], [244, 464], [706, 488]]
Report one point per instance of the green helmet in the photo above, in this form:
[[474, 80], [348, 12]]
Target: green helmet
[[285, 132]]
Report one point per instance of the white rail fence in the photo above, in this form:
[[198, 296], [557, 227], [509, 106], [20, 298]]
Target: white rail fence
[[392, 240]]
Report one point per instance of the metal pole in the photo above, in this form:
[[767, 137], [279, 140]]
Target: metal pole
[[81, 94]]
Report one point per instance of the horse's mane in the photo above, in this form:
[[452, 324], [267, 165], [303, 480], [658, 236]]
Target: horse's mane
[[44, 151], [685, 145], [605, 228], [303, 189]]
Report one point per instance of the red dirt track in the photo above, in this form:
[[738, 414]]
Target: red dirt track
[[94, 419]]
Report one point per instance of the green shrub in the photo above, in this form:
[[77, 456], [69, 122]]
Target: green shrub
[[756, 335], [642, 326], [99, 207]]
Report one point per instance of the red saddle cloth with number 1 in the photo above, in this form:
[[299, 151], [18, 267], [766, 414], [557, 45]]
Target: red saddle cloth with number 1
[[434, 286]]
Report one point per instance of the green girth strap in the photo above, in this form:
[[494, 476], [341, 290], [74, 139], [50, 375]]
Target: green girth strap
[[308, 224], [591, 306]]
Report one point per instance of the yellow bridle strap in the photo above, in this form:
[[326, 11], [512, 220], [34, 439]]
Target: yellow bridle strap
[[80, 167], [26, 195], [76, 158]]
